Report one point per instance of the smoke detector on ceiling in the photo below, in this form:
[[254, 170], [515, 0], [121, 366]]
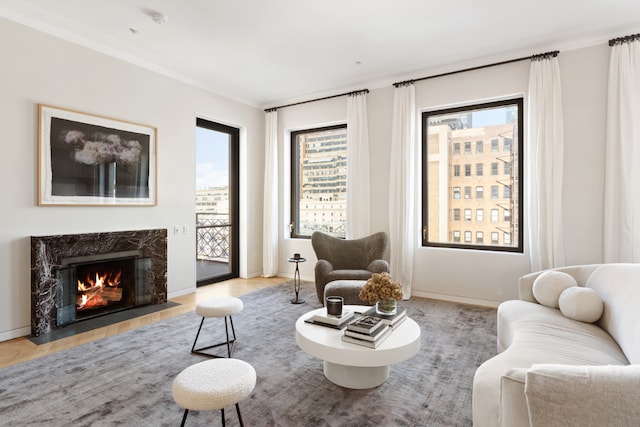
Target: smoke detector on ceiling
[[159, 18]]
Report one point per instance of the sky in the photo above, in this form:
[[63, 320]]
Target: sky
[[212, 158]]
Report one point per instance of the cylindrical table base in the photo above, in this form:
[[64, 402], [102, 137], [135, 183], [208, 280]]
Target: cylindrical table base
[[356, 377]]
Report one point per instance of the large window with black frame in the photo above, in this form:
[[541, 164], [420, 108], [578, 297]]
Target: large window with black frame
[[319, 181], [476, 148]]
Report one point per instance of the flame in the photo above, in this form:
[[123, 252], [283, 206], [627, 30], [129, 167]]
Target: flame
[[89, 291]]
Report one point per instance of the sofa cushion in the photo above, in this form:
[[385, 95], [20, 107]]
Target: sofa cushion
[[561, 395], [581, 304], [549, 285]]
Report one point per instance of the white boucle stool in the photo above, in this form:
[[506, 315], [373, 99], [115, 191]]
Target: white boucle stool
[[218, 307], [212, 385]]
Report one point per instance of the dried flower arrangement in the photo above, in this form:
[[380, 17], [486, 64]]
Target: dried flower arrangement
[[380, 286]]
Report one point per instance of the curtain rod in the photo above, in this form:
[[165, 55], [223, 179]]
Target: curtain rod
[[625, 39], [537, 57], [352, 93]]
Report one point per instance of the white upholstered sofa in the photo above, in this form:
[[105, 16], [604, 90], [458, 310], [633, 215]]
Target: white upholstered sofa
[[552, 370]]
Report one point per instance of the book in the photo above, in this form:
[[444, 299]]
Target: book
[[368, 337], [366, 325], [388, 319], [367, 343], [339, 321]]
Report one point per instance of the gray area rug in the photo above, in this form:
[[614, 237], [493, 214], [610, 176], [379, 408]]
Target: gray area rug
[[126, 379]]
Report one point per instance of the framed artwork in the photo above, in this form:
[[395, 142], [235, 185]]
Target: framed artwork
[[92, 160]]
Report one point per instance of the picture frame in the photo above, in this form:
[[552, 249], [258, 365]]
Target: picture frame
[[85, 159]]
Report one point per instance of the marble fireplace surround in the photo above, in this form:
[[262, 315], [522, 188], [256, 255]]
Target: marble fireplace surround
[[48, 253]]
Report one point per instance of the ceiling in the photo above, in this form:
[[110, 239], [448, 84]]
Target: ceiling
[[269, 52]]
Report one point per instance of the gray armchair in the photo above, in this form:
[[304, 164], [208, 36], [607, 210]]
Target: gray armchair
[[344, 259]]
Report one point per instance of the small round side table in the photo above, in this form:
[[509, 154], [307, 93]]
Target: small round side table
[[296, 280]]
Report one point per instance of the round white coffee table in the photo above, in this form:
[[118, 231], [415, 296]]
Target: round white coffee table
[[352, 365]]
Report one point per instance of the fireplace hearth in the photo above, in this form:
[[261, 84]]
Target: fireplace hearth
[[77, 277]]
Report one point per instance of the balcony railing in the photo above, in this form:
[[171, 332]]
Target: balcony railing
[[212, 237]]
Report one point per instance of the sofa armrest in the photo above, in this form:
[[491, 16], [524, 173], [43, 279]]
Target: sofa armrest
[[322, 269], [513, 404], [568, 395], [378, 266]]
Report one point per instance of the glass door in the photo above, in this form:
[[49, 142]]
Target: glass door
[[217, 179]]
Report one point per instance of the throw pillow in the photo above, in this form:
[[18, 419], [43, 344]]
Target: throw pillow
[[582, 304], [549, 285]]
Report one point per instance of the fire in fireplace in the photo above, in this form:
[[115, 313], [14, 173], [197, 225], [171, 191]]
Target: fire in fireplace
[[93, 286]]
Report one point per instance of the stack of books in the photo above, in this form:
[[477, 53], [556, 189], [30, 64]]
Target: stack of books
[[338, 322], [393, 320], [368, 331]]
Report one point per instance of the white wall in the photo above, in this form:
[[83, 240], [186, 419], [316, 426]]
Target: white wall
[[483, 277], [37, 68]]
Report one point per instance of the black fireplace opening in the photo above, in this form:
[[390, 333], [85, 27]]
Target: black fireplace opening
[[96, 285]]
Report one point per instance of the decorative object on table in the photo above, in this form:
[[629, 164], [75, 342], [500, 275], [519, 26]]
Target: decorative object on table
[[374, 343], [337, 322], [366, 325], [296, 278], [94, 160], [334, 305], [368, 331], [393, 320], [381, 290], [347, 259]]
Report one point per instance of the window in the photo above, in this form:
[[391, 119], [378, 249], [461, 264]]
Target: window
[[489, 134], [456, 235], [495, 192], [319, 181], [507, 168]]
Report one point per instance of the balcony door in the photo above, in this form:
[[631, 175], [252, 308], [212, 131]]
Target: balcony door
[[217, 201]]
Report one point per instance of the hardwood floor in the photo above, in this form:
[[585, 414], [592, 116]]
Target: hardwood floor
[[20, 350]]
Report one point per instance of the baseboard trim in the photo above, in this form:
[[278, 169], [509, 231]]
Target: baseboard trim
[[455, 298], [15, 333]]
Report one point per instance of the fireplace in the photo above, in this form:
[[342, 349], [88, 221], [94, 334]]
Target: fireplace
[[78, 277]]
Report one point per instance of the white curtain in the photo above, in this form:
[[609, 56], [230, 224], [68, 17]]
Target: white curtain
[[358, 179], [270, 209], [622, 163], [545, 165], [402, 187]]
